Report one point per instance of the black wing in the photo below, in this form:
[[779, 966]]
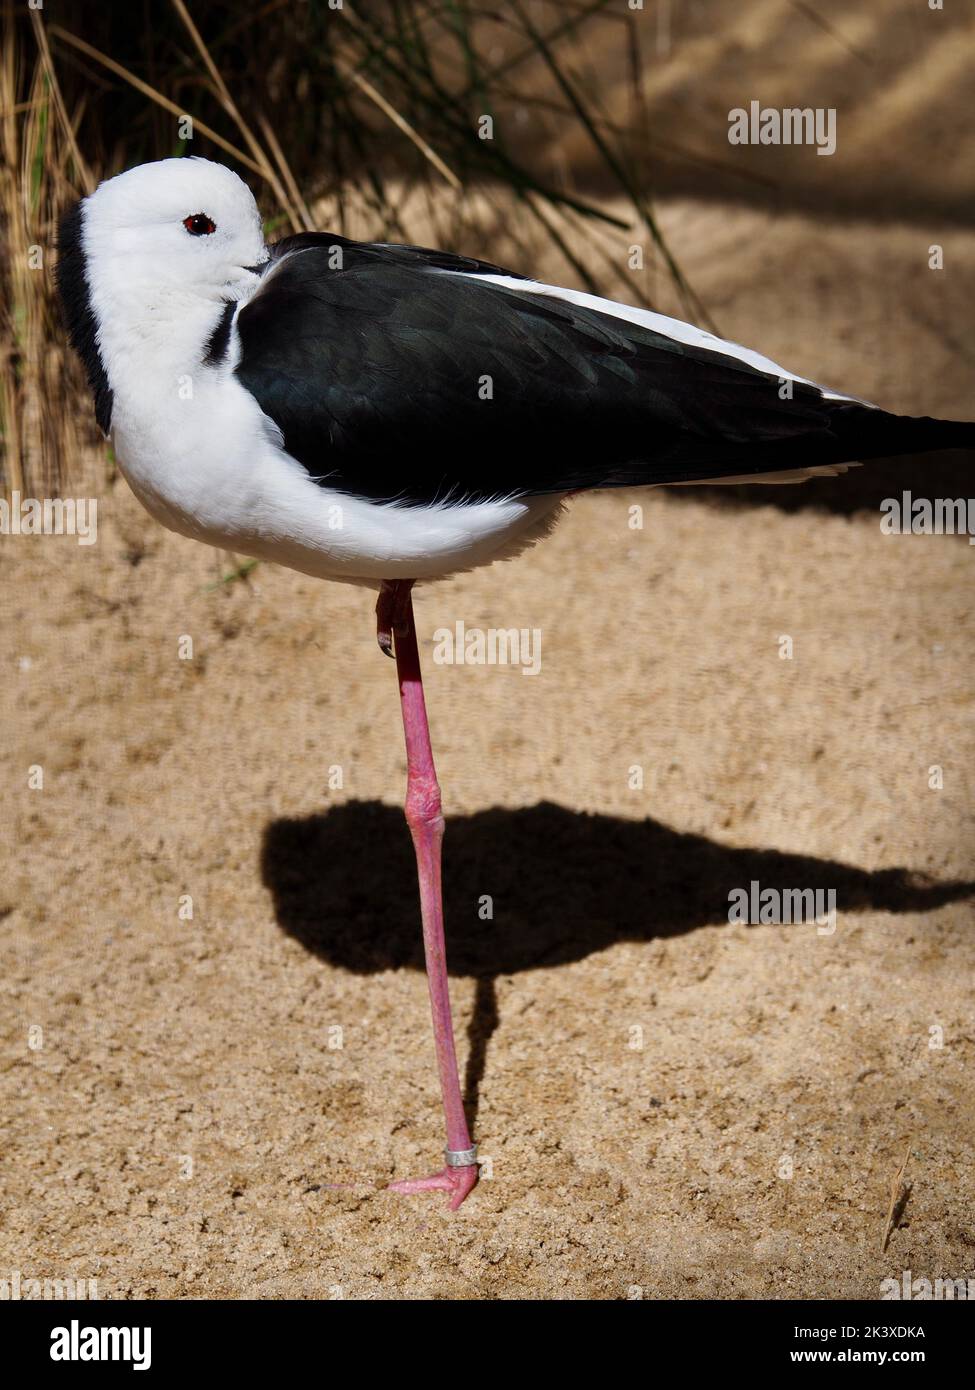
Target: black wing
[[392, 376]]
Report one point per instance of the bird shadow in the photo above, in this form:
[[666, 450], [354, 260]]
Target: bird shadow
[[534, 886]]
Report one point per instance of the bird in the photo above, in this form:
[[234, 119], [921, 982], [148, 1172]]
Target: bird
[[384, 415]]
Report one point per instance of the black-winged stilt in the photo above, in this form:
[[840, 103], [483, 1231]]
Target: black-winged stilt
[[383, 414]]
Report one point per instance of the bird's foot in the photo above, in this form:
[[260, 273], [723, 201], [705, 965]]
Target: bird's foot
[[458, 1182]]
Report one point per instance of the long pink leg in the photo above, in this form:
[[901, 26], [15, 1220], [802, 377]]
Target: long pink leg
[[425, 819]]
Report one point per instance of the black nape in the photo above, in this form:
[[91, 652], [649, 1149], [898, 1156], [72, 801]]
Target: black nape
[[219, 341], [79, 317]]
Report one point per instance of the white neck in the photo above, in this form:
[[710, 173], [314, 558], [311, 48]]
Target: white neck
[[149, 337]]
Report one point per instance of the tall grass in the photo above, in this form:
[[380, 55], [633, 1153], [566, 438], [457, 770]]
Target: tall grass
[[38, 178], [369, 118]]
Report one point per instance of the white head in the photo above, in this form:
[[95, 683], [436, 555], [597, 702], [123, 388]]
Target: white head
[[161, 246], [188, 223]]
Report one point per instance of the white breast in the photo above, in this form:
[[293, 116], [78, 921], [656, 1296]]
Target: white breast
[[211, 466]]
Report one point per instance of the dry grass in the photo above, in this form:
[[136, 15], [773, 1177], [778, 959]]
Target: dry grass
[[898, 1197], [37, 180]]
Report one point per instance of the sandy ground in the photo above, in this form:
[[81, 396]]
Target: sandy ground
[[672, 1105]]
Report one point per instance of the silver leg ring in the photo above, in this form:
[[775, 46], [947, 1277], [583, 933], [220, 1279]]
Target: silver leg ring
[[460, 1158]]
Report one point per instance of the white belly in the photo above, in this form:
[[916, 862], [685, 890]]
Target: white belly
[[217, 473]]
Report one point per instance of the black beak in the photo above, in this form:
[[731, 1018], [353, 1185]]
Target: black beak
[[256, 269]]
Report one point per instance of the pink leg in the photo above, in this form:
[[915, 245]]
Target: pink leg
[[423, 814]]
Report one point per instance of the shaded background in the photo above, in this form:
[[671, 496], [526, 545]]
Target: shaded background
[[670, 1102]]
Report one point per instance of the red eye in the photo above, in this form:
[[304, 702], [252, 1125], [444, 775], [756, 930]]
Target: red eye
[[198, 224]]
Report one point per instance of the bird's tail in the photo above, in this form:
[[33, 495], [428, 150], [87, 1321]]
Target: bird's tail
[[846, 432], [867, 433]]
